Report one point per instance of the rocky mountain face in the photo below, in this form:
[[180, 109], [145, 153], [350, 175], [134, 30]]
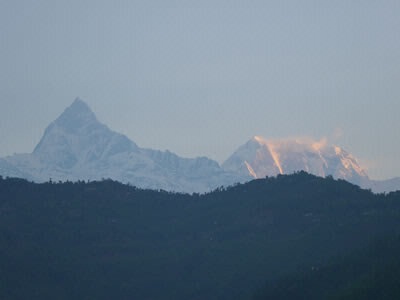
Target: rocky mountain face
[[76, 146], [260, 158]]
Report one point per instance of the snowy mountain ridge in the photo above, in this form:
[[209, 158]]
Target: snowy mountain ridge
[[76, 146], [260, 157]]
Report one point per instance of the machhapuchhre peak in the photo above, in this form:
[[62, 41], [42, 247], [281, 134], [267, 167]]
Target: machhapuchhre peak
[[76, 146]]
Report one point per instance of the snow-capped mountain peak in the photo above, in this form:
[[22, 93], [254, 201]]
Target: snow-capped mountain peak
[[260, 157], [77, 115], [76, 146], [77, 137]]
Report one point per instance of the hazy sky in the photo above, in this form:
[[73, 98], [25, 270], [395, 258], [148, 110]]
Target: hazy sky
[[203, 77]]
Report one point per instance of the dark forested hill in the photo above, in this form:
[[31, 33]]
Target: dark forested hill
[[102, 240], [369, 273]]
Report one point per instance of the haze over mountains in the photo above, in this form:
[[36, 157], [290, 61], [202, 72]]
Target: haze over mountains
[[76, 146], [263, 157]]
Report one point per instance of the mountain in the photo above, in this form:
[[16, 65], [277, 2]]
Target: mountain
[[259, 158], [366, 274], [8, 169], [76, 146], [106, 240]]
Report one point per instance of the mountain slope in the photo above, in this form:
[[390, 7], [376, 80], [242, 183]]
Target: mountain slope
[[106, 240], [260, 157], [76, 137], [9, 169], [372, 272], [76, 146]]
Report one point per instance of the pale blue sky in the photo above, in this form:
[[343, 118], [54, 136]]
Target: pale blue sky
[[202, 77]]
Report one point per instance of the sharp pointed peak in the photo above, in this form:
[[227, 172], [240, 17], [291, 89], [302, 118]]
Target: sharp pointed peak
[[79, 104], [76, 115]]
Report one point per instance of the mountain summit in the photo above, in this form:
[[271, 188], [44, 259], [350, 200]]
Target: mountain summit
[[77, 137], [260, 157], [75, 116], [76, 146]]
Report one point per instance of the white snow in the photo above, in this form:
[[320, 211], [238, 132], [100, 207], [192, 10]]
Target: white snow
[[262, 157], [76, 146]]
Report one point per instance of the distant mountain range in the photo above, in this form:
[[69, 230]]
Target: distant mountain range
[[76, 146], [260, 157]]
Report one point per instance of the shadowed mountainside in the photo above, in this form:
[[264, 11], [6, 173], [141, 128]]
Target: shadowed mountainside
[[102, 240]]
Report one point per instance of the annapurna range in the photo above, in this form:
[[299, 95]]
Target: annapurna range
[[76, 146]]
